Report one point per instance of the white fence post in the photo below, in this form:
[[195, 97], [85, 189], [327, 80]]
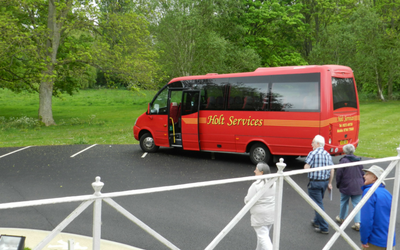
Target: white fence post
[[278, 205], [97, 186], [71, 244], [395, 199]]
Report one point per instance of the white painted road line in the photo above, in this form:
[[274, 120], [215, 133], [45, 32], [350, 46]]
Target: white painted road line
[[15, 151], [83, 150], [144, 155]]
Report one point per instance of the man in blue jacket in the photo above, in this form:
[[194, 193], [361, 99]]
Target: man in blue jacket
[[375, 214]]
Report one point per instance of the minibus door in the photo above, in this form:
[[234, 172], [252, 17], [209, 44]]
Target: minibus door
[[190, 120], [174, 117]]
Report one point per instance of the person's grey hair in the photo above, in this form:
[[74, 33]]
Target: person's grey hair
[[262, 166], [320, 139], [349, 149]]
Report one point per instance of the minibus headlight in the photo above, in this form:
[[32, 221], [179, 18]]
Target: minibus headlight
[[330, 141], [136, 121]]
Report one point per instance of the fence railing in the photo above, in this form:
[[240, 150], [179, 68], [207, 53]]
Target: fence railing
[[278, 177]]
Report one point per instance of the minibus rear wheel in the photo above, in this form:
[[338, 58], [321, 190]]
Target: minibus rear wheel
[[147, 143], [259, 153]]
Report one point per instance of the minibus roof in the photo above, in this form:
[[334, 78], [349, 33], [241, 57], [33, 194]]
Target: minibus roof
[[336, 70]]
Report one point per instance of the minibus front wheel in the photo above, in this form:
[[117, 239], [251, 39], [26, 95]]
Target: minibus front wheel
[[147, 143], [259, 153]]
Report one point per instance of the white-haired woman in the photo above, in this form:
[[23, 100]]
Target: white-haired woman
[[262, 212], [349, 181]]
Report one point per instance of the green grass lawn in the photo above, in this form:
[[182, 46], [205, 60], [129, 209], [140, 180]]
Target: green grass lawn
[[107, 116], [91, 116], [379, 129]]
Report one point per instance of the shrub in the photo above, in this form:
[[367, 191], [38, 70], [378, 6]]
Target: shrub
[[23, 122]]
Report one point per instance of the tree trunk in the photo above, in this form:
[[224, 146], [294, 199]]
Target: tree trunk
[[46, 85], [390, 80], [45, 98], [378, 84]]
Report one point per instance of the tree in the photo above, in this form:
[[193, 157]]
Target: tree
[[50, 44], [18, 70], [123, 49], [195, 37], [336, 45], [362, 42], [274, 29], [389, 14], [319, 15]]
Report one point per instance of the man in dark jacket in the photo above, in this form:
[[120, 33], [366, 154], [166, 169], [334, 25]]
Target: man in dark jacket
[[349, 180]]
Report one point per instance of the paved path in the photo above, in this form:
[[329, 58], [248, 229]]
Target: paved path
[[190, 218]]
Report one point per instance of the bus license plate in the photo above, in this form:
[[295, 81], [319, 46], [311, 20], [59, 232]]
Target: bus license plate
[[344, 142]]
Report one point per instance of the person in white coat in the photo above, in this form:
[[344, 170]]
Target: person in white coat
[[262, 212]]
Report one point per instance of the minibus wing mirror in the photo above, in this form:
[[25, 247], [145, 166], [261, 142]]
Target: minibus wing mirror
[[148, 108]]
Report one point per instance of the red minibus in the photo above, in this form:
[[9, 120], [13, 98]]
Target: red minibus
[[271, 111]]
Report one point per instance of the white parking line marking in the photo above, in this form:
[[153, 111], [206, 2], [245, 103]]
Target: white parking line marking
[[144, 155], [15, 151], [83, 150]]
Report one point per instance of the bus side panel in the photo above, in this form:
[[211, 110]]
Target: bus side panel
[[217, 142], [285, 133], [161, 130], [215, 134], [157, 125], [190, 133]]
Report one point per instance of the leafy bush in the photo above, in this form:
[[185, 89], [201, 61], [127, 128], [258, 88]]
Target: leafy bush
[[23, 122]]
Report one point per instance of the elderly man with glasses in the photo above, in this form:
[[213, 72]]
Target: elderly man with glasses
[[319, 180]]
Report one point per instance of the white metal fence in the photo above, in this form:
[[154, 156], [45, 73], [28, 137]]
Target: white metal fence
[[279, 177]]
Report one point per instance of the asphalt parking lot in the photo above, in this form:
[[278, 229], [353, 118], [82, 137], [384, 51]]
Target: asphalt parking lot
[[189, 218]]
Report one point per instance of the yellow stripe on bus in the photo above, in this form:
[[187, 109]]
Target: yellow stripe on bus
[[290, 123], [283, 123], [190, 120], [305, 123]]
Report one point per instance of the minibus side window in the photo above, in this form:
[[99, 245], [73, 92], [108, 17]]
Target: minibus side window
[[248, 93], [190, 103], [213, 97], [295, 96], [159, 104]]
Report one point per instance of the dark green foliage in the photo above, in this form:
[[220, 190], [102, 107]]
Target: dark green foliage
[[143, 44], [365, 43]]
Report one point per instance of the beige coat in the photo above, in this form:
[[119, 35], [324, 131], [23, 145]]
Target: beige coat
[[262, 212]]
